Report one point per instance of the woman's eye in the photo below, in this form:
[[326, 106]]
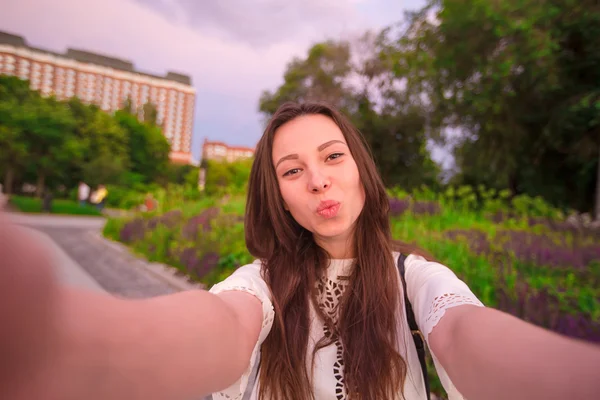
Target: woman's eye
[[292, 172], [334, 156]]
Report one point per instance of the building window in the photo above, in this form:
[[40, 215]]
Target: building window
[[220, 150], [24, 69]]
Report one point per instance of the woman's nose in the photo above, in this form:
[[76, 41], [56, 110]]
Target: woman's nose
[[318, 182]]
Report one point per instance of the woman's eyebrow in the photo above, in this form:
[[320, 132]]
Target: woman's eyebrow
[[320, 148], [327, 144]]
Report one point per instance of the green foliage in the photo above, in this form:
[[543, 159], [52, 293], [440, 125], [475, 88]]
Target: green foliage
[[49, 130], [36, 131], [520, 81], [14, 94], [398, 142], [112, 228], [105, 144], [227, 177], [57, 144], [182, 174], [148, 148], [124, 197], [59, 206], [320, 76]]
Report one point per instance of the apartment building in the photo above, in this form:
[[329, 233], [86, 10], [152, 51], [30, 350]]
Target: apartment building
[[222, 152], [106, 82]]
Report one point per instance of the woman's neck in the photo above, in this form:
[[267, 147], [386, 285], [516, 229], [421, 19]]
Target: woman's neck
[[337, 247]]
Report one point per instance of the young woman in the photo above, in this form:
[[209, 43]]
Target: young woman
[[319, 315]]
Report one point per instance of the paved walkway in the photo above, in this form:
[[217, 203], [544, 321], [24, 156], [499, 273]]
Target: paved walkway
[[85, 258]]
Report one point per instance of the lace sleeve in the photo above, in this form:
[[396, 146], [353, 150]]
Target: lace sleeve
[[248, 279], [433, 288]]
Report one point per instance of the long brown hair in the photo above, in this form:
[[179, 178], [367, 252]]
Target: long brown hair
[[293, 263]]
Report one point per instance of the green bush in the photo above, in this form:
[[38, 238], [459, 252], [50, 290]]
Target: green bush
[[124, 198], [113, 227], [227, 178], [59, 206]]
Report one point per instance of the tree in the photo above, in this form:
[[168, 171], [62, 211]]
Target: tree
[[106, 150], [178, 174], [221, 175], [148, 148], [149, 113], [321, 76], [49, 130], [13, 94], [520, 80], [399, 145], [357, 78], [35, 129], [14, 153]]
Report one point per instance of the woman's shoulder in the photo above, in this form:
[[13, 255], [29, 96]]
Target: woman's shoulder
[[412, 259], [254, 267], [248, 278], [419, 271]]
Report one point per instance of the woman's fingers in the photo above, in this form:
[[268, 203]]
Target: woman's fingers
[[28, 308]]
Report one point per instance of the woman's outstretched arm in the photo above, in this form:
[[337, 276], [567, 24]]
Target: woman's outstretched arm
[[491, 355], [70, 344]]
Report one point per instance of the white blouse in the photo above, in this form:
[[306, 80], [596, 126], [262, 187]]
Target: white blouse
[[432, 289]]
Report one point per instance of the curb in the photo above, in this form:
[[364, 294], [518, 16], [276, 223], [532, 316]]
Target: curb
[[163, 272]]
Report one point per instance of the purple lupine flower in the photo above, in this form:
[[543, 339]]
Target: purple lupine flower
[[578, 326], [201, 221], [188, 258], [477, 240], [553, 251], [426, 208], [398, 206], [169, 219], [133, 231]]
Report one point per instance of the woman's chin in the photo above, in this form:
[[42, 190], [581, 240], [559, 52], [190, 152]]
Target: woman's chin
[[333, 230]]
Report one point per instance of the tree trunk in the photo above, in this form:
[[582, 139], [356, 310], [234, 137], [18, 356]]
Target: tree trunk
[[40, 185], [597, 210], [8, 180], [513, 183]]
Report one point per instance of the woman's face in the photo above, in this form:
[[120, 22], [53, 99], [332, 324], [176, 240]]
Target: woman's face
[[319, 180]]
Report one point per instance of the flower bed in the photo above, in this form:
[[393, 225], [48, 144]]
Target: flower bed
[[541, 270]]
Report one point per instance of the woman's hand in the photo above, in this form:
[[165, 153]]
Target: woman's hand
[[491, 355], [29, 333]]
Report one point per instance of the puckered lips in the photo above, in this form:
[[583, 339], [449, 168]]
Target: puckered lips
[[328, 208]]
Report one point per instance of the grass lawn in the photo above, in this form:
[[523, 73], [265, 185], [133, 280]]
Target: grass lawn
[[59, 206]]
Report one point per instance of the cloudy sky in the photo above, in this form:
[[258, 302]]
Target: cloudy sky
[[233, 49]]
